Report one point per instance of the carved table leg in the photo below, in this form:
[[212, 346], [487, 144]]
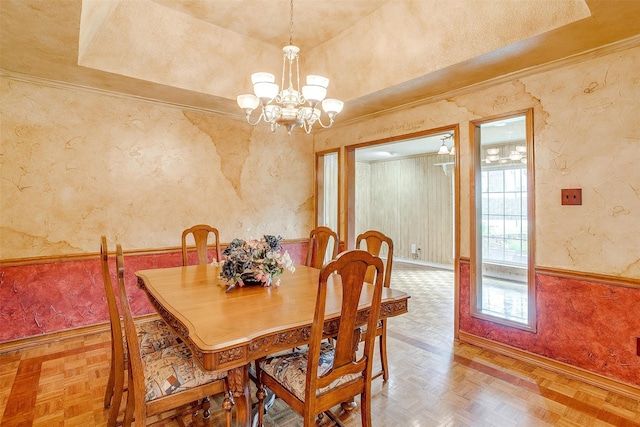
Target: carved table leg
[[239, 386]]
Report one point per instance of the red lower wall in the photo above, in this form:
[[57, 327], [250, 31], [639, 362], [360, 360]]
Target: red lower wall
[[43, 298], [586, 324], [589, 325]]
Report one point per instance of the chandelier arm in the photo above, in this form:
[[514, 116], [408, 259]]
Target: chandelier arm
[[306, 126], [319, 120], [260, 117]]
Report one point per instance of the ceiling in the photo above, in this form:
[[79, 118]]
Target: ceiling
[[379, 54], [270, 22]]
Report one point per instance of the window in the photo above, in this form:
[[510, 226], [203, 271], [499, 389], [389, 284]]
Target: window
[[502, 280], [504, 215], [327, 190]]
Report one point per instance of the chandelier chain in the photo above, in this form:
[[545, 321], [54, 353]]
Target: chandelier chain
[[291, 24]]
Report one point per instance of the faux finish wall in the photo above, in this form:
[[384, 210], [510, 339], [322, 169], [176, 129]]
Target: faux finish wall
[[75, 165], [586, 135]]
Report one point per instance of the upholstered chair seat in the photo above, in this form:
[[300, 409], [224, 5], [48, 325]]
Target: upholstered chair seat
[[291, 370], [154, 335], [171, 370]]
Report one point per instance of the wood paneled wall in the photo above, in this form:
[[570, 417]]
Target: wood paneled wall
[[410, 200]]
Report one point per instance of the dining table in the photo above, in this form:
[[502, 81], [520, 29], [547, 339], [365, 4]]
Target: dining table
[[226, 331]]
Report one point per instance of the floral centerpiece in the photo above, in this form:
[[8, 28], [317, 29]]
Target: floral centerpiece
[[255, 262]]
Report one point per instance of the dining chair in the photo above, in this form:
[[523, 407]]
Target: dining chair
[[165, 379], [200, 234], [152, 334], [375, 241], [313, 380], [320, 240]]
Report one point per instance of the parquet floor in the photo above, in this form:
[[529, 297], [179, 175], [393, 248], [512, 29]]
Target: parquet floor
[[434, 380]]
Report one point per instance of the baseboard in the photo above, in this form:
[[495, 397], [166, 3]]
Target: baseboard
[[597, 380], [423, 263], [44, 339]]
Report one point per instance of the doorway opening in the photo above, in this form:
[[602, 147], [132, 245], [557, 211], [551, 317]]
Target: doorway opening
[[406, 189]]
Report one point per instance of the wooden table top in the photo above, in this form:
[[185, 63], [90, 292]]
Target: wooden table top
[[228, 330]]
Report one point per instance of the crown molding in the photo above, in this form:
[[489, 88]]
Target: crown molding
[[27, 78]]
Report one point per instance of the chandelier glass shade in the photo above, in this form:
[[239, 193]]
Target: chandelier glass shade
[[286, 105], [443, 147], [519, 155]]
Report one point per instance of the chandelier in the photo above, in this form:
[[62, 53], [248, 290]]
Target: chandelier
[[289, 107], [519, 155]]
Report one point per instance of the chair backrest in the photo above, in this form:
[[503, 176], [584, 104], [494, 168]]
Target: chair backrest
[[136, 384], [321, 239], [114, 316], [201, 237], [351, 267], [375, 241]]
